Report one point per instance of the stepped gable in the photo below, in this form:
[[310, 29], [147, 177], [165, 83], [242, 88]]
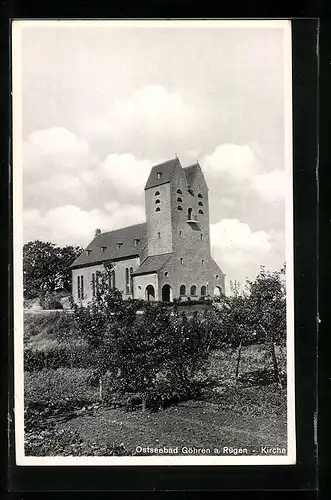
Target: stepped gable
[[152, 264], [166, 170], [113, 245]]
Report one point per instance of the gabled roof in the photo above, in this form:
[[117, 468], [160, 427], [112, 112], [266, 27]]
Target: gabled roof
[[190, 173], [152, 264], [166, 170], [93, 253]]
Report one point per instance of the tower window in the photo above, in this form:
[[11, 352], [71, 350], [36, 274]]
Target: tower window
[[179, 207], [200, 204], [200, 195], [157, 193], [159, 235], [158, 209], [193, 290], [166, 274], [182, 290], [181, 234], [201, 211], [179, 200], [202, 262], [217, 276], [189, 214], [201, 236], [157, 202], [159, 175], [179, 191], [181, 260]]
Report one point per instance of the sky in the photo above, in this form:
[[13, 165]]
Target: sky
[[102, 104]]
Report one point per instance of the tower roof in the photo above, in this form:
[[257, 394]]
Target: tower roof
[[162, 173], [190, 172]]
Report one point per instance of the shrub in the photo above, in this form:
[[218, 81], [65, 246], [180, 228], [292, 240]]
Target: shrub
[[58, 389], [64, 355], [59, 325]]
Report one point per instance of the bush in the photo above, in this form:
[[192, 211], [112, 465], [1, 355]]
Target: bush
[[59, 390], [65, 355], [57, 325]]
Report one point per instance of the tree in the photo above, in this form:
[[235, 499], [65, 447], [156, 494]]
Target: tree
[[46, 266]]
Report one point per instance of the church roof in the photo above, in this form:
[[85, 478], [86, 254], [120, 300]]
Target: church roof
[[119, 244], [190, 173], [166, 170], [152, 264]]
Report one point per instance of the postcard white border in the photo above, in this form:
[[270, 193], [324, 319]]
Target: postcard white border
[[17, 176]]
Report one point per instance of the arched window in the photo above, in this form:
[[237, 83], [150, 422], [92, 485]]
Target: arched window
[[200, 195], [157, 202], [189, 213], [157, 193], [203, 290], [166, 274], [78, 287], [179, 191], [158, 209], [93, 285], [193, 290], [181, 260], [131, 279], [202, 262], [201, 211], [179, 207], [182, 290], [217, 276], [200, 204], [179, 200], [201, 236], [82, 287], [181, 234], [127, 286]]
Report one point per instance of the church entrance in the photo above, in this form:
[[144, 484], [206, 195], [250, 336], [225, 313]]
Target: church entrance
[[217, 291], [166, 293], [150, 293]]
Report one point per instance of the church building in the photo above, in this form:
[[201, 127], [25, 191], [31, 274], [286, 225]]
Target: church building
[[168, 256]]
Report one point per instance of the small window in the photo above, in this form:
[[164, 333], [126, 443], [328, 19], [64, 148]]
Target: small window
[[157, 193], [136, 241], [201, 236], [139, 287], [200, 195], [159, 235], [182, 290], [179, 207], [166, 274], [127, 281], [217, 276], [193, 290], [118, 245], [189, 214], [203, 290], [159, 175], [181, 234], [179, 191], [82, 287], [179, 200], [103, 249], [201, 211], [158, 209], [202, 262], [78, 287], [88, 251], [157, 202], [200, 204], [181, 260], [131, 279]]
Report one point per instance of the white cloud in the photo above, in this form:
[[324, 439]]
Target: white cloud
[[125, 172], [239, 250], [50, 150], [270, 186], [70, 225], [239, 162]]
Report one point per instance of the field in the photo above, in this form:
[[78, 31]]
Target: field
[[64, 414]]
